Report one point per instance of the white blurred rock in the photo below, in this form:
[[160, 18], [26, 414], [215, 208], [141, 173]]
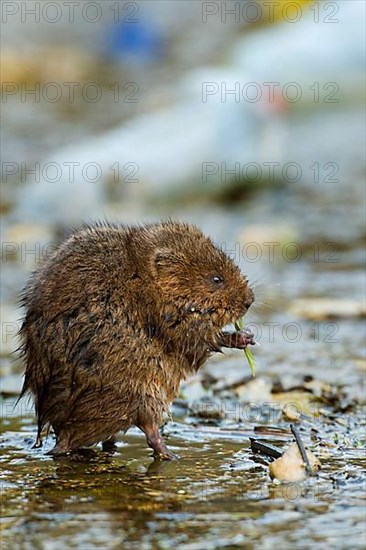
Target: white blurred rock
[[156, 153], [326, 308], [162, 153]]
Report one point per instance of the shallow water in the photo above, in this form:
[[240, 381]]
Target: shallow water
[[217, 495]]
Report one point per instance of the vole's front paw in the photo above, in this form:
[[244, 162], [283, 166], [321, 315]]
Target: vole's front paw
[[243, 339], [239, 339]]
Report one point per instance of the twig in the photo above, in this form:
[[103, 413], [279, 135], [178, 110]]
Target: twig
[[301, 447], [269, 450]]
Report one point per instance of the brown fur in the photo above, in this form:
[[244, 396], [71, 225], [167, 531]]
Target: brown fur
[[115, 319]]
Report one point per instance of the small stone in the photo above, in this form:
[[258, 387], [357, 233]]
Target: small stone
[[290, 466]]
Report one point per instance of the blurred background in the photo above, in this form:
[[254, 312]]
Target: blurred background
[[244, 117]]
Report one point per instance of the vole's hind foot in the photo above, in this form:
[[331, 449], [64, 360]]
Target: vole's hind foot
[[166, 455], [156, 442]]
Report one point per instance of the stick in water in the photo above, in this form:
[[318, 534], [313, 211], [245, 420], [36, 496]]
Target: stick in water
[[301, 447]]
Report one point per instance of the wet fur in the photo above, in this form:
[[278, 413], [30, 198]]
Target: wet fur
[[116, 318]]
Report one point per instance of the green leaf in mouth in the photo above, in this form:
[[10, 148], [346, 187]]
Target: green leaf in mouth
[[251, 360], [239, 326]]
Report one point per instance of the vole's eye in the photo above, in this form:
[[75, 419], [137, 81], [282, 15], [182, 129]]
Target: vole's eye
[[217, 279]]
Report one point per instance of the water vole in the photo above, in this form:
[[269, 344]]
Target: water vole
[[116, 318]]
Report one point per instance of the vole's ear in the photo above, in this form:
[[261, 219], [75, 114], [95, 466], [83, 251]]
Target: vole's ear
[[165, 258]]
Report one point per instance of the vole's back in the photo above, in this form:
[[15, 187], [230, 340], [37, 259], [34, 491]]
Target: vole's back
[[76, 317]]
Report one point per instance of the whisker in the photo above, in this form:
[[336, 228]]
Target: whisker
[[255, 283]]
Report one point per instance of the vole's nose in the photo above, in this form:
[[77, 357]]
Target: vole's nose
[[249, 299]]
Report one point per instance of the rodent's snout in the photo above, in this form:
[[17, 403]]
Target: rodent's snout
[[249, 298]]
